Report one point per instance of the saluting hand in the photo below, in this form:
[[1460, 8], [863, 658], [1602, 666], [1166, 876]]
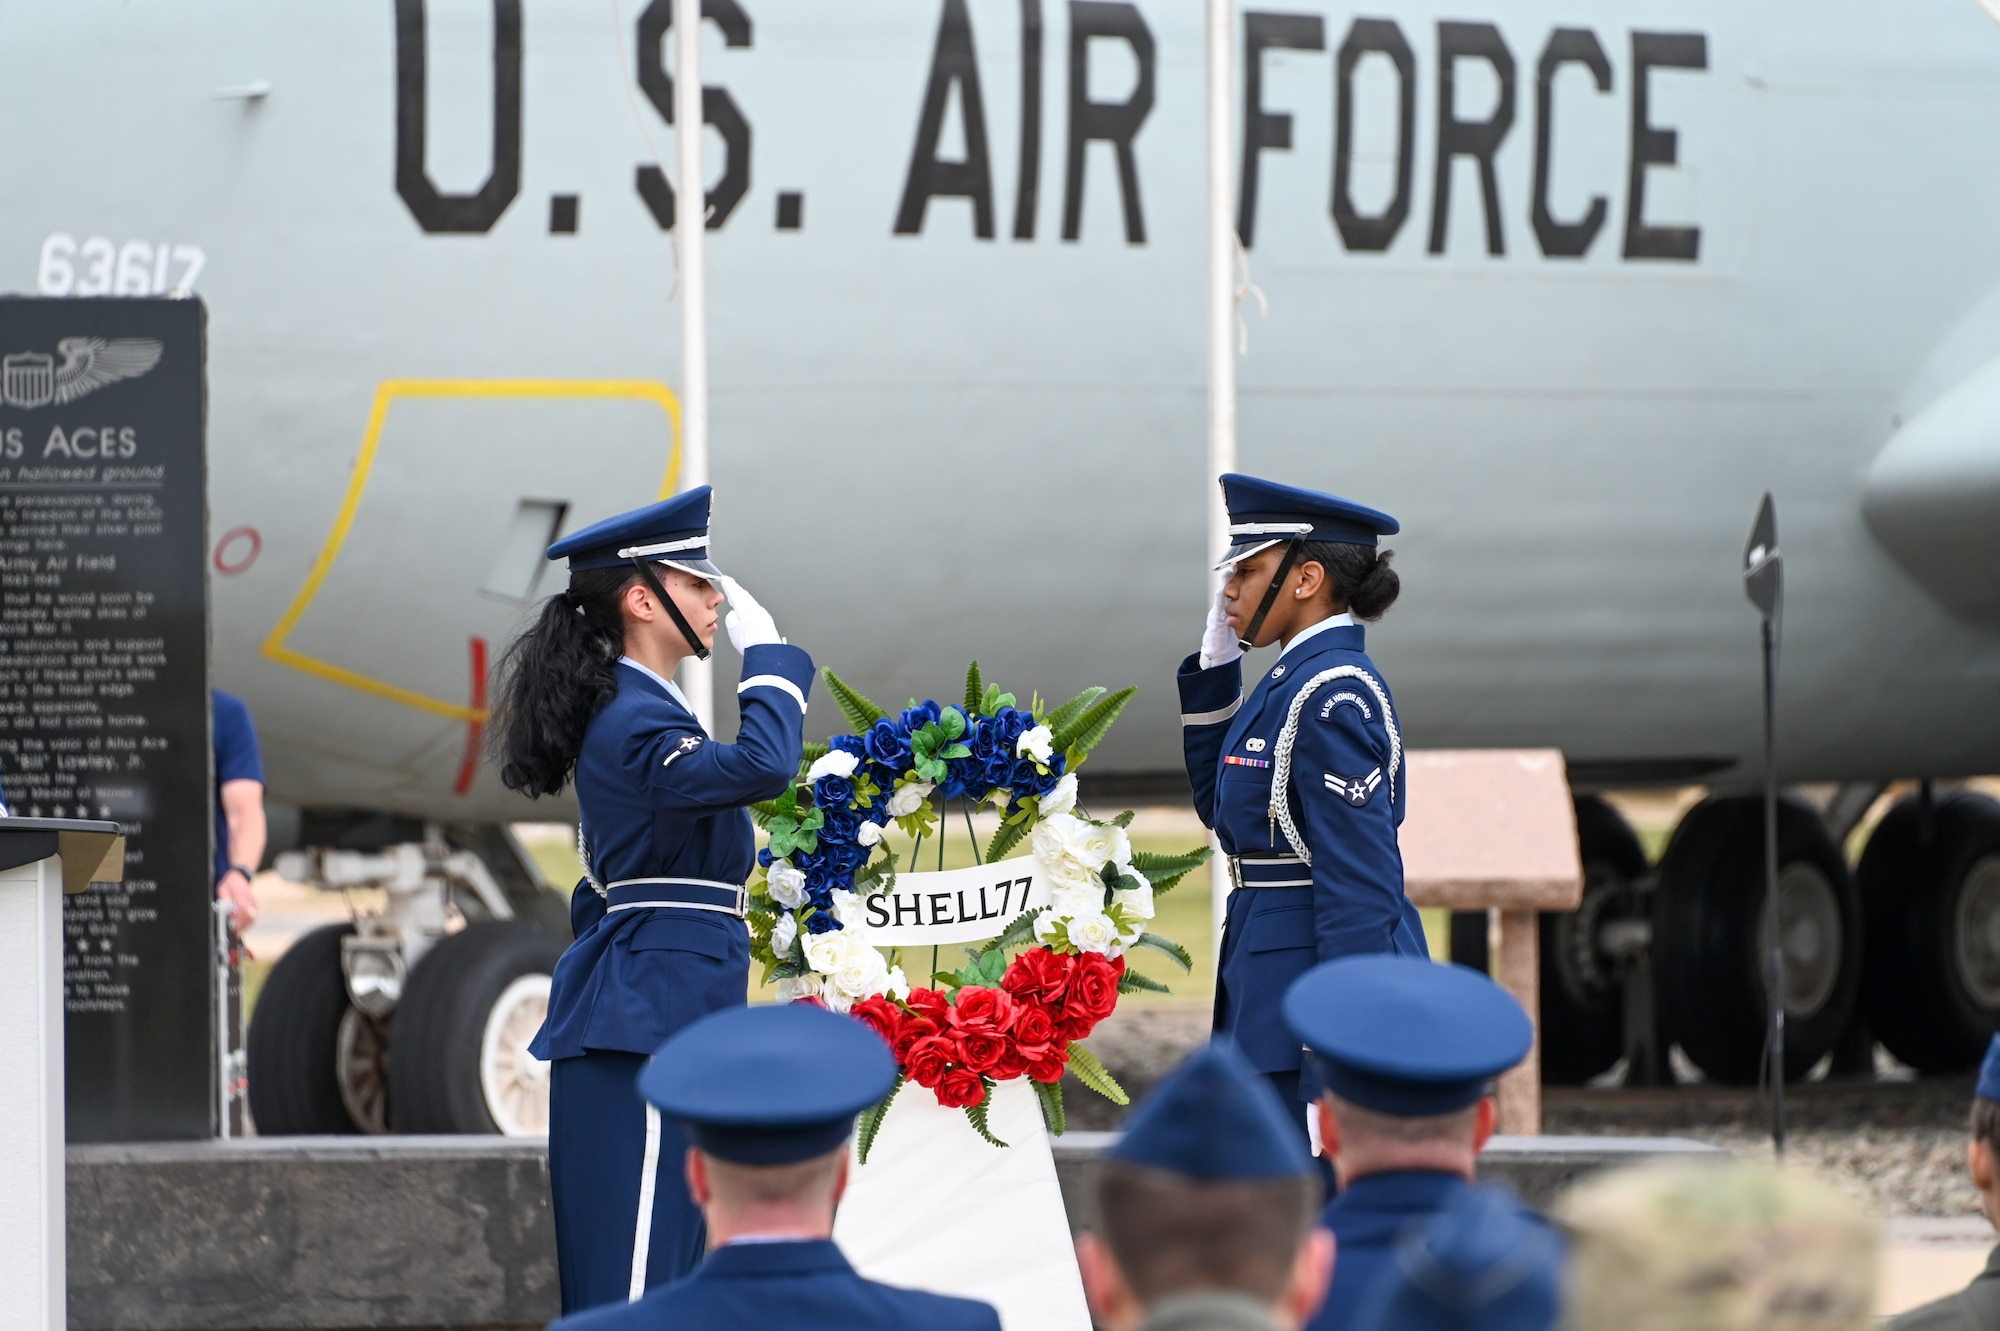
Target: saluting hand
[[1218, 641], [748, 623]]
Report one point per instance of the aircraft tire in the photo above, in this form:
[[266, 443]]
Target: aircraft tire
[[1931, 986], [292, 1047], [459, 1061], [1707, 915], [1582, 1012]]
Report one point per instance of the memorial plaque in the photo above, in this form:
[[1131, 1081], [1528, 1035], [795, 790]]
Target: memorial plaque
[[104, 703]]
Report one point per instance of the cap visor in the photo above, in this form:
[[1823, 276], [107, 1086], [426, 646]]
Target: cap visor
[[1241, 551], [700, 568]]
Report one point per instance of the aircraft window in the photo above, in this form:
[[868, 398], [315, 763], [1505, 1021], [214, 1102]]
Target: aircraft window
[[522, 558]]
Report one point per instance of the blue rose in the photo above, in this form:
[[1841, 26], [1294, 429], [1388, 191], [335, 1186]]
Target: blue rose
[[764, 858], [853, 744], [1024, 777], [842, 823], [888, 746], [822, 922], [923, 714], [832, 792], [1011, 723]]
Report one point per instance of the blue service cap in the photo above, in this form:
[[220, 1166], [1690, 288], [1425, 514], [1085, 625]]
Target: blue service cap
[[1484, 1263], [1214, 1118], [1989, 1072], [673, 532], [769, 1085], [1405, 1035], [1263, 513]]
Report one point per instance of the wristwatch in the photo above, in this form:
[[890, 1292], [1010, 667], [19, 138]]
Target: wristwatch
[[249, 876]]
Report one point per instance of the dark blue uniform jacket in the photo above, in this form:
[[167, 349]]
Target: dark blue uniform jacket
[[1345, 804], [755, 1286], [662, 800], [1366, 1219]]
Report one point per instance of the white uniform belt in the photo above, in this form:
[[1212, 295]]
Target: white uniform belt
[[679, 893], [1268, 871]]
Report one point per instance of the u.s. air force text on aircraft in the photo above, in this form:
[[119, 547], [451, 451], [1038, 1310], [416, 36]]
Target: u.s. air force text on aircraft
[[952, 93]]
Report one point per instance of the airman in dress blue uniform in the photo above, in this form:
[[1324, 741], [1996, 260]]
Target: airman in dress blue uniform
[[667, 845], [768, 1096], [1484, 1263], [1302, 777], [1409, 1040]]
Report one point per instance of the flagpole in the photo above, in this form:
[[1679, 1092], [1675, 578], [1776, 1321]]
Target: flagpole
[[1221, 274], [691, 236]]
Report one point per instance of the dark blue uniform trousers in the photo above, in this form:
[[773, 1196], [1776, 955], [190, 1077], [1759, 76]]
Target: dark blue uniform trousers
[[598, 1168]]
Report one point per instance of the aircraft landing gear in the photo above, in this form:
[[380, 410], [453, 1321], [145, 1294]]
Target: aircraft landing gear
[[460, 1062], [1930, 881], [1708, 937], [295, 1043]]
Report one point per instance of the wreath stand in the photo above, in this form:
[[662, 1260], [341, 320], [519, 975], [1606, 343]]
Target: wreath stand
[[1007, 1240]]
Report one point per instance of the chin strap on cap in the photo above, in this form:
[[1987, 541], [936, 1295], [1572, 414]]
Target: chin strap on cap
[[680, 620], [1292, 549]]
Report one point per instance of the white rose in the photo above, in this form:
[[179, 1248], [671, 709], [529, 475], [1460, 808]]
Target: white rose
[[1035, 744], [1045, 925], [800, 986], [847, 909], [1137, 901], [1102, 844], [1062, 798], [870, 834], [896, 984], [865, 973], [783, 934], [825, 952], [1085, 900], [1093, 932], [832, 763], [787, 884], [1066, 874], [1047, 838], [909, 798]]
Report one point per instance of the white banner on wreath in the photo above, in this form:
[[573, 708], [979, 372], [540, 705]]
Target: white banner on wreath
[[956, 905]]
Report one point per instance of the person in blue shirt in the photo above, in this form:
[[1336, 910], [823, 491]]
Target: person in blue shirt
[[1484, 1263], [587, 696], [240, 830], [1302, 777], [767, 1098], [1406, 1050], [1204, 1209]]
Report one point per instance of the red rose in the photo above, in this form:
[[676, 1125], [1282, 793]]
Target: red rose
[[1033, 1025], [809, 1001], [1037, 976], [982, 1007], [930, 1059], [960, 1089], [1074, 1024], [1049, 1068], [1012, 1063], [1094, 987], [909, 1033], [881, 1015], [981, 1050], [929, 1003]]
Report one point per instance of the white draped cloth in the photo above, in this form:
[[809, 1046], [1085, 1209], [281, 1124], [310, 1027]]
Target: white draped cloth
[[938, 1208]]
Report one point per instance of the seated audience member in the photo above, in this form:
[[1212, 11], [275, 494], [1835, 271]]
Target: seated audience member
[[1484, 1263], [1204, 1210], [1978, 1304]]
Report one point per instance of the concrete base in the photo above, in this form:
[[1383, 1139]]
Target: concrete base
[[433, 1232]]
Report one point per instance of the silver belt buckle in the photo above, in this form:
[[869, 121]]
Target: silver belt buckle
[[1235, 871], [742, 900]]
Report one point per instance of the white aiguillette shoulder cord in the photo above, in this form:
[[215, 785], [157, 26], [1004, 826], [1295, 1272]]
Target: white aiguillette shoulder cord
[[1281, 759], [583, 854]]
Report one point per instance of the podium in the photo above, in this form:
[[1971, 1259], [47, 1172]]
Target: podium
[[41, 859]]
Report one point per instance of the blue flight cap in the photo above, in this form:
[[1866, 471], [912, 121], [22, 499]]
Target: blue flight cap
[[1263, 513], [1484, 1263], [673, 532], [1404, 1035], [1214, 1118], [1989, 1072], [769, 1085]]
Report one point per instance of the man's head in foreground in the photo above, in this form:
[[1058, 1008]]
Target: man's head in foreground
[[768, 1096], [1209, 1198], [1407, 1051], [1716, 1247], [1982, 1154]]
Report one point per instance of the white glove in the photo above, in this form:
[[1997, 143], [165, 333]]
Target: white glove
[[1218, 640], [1312, 1130], [748, 623]]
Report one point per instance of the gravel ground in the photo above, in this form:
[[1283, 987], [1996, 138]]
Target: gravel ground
[[1898, 1145]]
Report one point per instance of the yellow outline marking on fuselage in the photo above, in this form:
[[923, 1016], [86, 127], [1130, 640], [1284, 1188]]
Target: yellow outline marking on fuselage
[[386, 392]]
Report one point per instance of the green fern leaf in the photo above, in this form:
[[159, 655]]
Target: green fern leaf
[[1168, 946], [860, 713], [1050, 1094], [1005, 838], [1133, 982], [1020, 929], [1080, 735], [1072, 709], [975, 689], [871, 1120], [1164, 871], [1093, 1074], [976, 1114]]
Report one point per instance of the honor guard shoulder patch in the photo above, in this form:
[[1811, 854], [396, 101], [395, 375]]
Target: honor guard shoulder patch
[[1345, 696], [688, 744], [1356, 790]]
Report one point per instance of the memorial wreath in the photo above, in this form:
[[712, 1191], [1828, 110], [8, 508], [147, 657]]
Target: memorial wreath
[[1050, 967]]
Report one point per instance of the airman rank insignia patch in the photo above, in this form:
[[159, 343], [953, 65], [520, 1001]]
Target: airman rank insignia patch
[[1349, 697], [688, 744], [1356, 790]]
